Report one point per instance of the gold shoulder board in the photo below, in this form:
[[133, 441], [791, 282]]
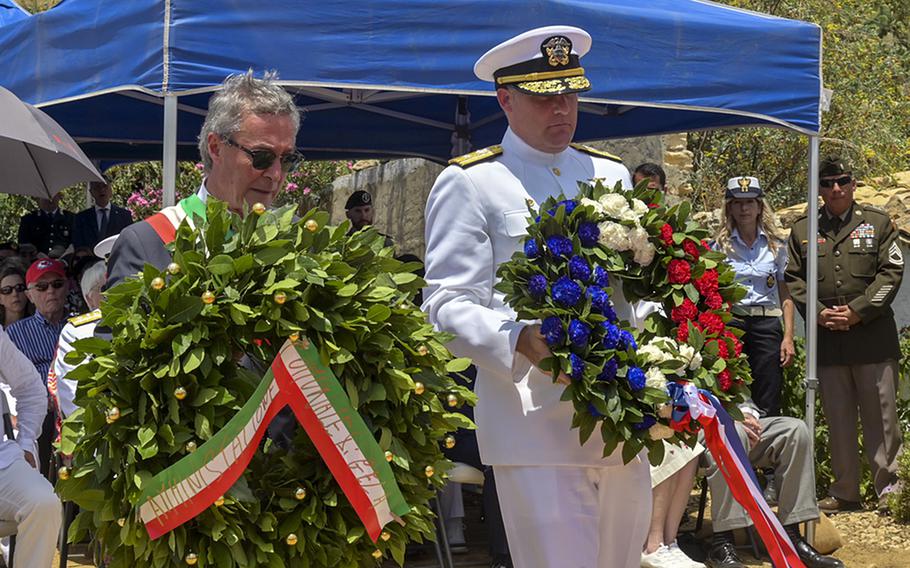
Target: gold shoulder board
[[476, 156], [83, 319], [595, 152]]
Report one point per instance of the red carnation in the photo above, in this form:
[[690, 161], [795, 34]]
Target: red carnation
[[737, 344], [712, 322], [722, 351], [682, 333], [666, 234], [714, 301], [724, 379], [707, 284], [679, 271], [691, 249], [653, 206], [684, 312]]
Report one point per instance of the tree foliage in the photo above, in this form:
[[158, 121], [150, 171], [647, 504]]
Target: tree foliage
[[866, 62]]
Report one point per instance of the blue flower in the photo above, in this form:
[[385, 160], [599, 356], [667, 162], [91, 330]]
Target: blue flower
[[559, 246], [552, 330], [578, 366], [599, 298], [569, 204], [611, 335], [627, 340], [579, 269], [608, 311], [579, 333], [593, 410], [588, 233], [609, 371], [601, 278], [537, 286], [646, 422], [531, 248], [636, 378], [566, 292]]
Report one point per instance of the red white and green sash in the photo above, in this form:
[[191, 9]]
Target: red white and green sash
[[297, 378]]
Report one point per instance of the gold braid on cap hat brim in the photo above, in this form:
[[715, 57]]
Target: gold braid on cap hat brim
[[540, 76], [555, 86]]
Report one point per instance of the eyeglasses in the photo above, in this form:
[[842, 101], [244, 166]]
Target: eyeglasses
[[7, 290], [263, 159], [829, 183], [42, 286]]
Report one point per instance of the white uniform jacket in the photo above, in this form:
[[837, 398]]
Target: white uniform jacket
[[475, 219]]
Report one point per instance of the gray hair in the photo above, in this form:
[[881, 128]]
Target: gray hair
[[241, 95], [93, 279]]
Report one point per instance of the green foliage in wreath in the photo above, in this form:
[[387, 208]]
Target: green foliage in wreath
[[271, 277]]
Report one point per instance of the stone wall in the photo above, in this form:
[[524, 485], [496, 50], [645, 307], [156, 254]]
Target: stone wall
[[400, 187]]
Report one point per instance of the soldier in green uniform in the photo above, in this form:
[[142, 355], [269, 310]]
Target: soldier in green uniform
[[860, 267]]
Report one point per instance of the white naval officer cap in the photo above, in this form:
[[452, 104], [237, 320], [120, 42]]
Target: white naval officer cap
[[542, 61], [743, 187], [104, 247]]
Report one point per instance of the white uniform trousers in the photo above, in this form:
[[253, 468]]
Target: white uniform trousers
[[575, 517], [29, 500]]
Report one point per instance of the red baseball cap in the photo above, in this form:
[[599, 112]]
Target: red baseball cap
[[44, 266]]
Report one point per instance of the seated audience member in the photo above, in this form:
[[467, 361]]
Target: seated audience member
[[671, 484], [36, 336], [14, 304], [8, 250], [27, 498], [101, 220], [781, 443], [76, 328], [28, 253]]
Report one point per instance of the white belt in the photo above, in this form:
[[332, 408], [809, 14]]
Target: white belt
[[766, 311]]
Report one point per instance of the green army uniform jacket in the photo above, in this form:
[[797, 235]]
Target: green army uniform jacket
[[860, 264]]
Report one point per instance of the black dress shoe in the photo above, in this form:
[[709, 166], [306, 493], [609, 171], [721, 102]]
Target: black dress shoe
[[813, 558], [723, 555]]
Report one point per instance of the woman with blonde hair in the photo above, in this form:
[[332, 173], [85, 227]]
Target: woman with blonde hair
[[757, 251]]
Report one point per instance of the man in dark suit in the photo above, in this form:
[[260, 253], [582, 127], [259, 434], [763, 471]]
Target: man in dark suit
[[101, 220], [47, 228], [247, 155]]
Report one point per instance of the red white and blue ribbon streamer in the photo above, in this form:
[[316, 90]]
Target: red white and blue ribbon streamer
[[733, 462]]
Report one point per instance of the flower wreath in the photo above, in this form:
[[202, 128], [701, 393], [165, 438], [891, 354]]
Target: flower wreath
[[169, 379], [575, 251]]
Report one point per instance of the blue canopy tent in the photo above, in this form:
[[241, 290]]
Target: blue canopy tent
[[131, 80]]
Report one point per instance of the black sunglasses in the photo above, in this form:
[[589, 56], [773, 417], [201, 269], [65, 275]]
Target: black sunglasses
[[42, 286], [263, 159], [7, 290], [829, 183]]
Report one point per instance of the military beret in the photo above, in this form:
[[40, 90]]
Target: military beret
[[833, 166], [744, 187], [358, 199], [542, 61]]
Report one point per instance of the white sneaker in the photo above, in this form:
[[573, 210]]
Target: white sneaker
[[682, 559], [660, 558]]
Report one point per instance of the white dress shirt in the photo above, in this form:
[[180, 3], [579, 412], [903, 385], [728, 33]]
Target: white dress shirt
[[31, 400]]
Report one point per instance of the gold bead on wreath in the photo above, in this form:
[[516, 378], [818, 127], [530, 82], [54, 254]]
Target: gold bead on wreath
[[422, 350], [300, 494], [191, 446], [419, 388], [280, 298], [258, 208], [429, 471], [311, 226], [208, 297], [121, 521], [450, 442], [389, 456], [180, 393], [291, 539], [452, 400], [173, 268], [157, 283], [386, 535], [191, 559], [112, 415], [63, 473], [219, 501], [377, 554]]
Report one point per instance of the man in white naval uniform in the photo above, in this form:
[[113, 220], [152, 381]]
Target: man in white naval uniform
[[563, 504]]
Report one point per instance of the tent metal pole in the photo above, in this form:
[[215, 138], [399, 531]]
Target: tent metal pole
[[811, 303], [169, 159]]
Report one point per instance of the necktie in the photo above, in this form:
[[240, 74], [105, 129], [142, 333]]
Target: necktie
[[102, 231]]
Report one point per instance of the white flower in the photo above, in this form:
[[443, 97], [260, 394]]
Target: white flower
[[639, 207], [629, 215], [695, 361], [614, 204], [655, 379], [645, 256], [660, 432], [598, 208], [651, 353], [614, 236]]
